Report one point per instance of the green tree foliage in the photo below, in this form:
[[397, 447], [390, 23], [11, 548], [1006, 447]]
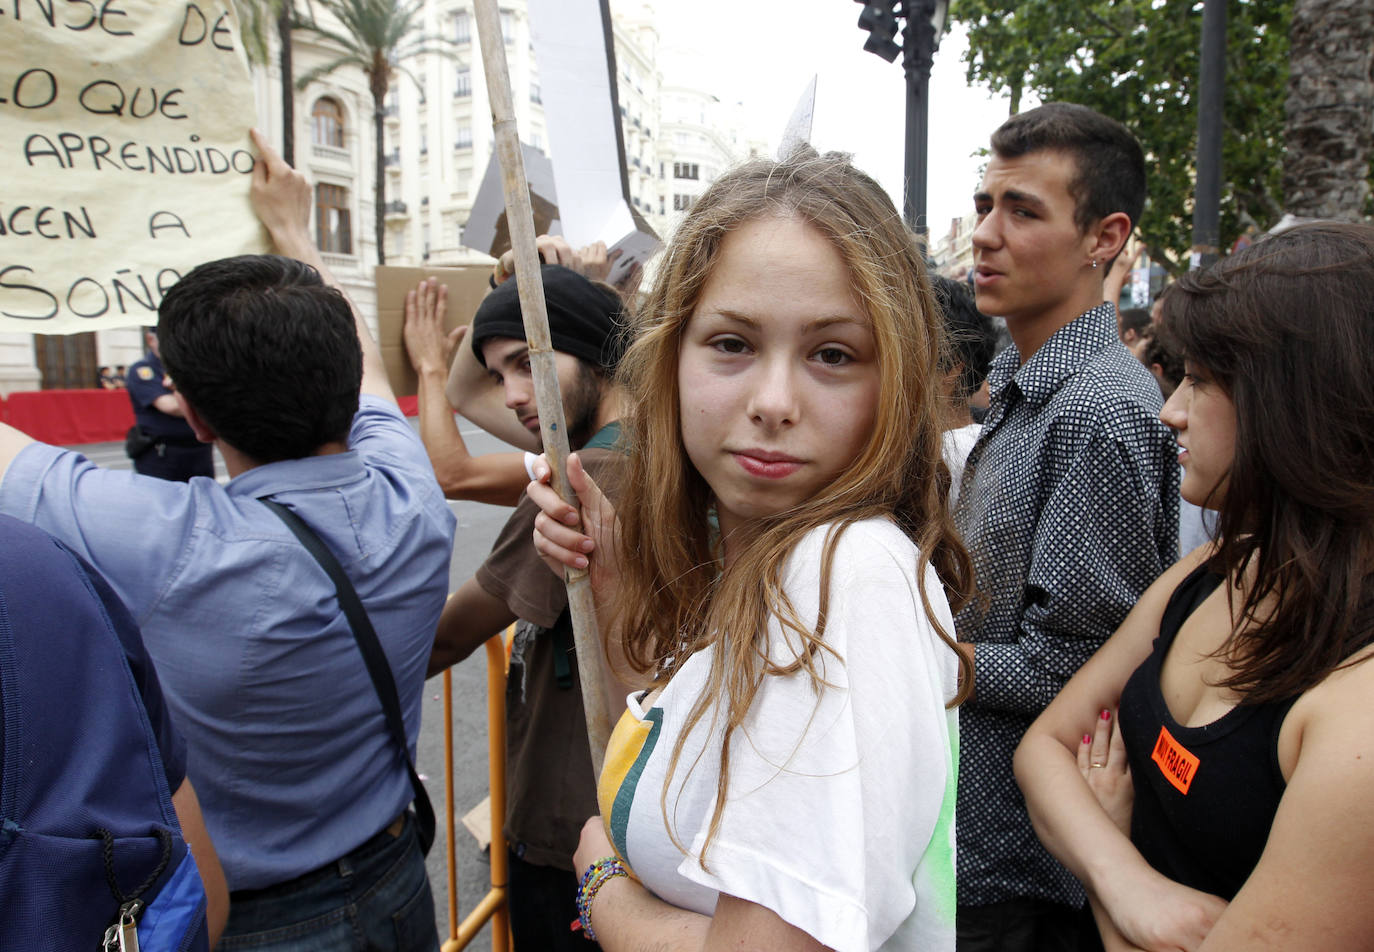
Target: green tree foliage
[[375, 36], [1137, 61], [256, 19]]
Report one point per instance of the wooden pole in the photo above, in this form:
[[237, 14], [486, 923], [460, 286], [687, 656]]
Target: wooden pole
[[520, 217]]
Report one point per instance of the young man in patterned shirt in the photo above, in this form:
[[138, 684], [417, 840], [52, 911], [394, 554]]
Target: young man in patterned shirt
[[1069, 501]]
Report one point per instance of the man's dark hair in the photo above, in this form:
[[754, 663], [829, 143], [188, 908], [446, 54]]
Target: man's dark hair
[[1135, 319], [1163, 350], [1110, 174], [970, 335], [266, 353]]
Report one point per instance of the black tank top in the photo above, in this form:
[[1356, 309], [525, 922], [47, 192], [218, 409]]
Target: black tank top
[[1205, 797]]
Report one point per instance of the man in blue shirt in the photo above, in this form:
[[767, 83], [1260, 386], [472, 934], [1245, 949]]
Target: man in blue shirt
[[303, 789], [1069, 498], [165, 446]]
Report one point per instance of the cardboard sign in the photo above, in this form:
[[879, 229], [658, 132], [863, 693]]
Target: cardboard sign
[[467, 286], [470, 390], [486, 229], [125, 155]]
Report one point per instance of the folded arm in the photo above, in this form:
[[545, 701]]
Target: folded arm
[[1067, 814], [1310, 890], [627, 917]]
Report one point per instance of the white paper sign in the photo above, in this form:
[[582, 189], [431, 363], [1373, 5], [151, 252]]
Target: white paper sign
[[569, 39], [125, 157]]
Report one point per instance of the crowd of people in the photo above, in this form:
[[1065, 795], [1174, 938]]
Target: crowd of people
[[925, 629]]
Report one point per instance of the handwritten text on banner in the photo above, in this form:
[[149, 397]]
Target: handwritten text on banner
[[124, 153]]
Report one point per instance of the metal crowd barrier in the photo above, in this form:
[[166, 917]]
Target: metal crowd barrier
[[492, 907]]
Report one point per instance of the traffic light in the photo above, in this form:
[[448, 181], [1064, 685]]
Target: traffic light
[[879, 18]]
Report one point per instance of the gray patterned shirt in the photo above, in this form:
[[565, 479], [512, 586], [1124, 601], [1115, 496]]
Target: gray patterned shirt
[[1069, 507]]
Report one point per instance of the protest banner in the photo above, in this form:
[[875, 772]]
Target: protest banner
[[125, 155]]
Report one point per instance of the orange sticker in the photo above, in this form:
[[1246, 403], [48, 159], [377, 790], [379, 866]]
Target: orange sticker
[[1176, 762]]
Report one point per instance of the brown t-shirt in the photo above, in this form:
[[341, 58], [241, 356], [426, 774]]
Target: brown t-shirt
[[550, 789]]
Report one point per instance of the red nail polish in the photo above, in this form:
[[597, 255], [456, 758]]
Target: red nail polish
[[1087, 739], [1106, 715]]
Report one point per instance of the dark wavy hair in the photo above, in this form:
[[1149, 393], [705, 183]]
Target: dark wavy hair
[[1286, 328]]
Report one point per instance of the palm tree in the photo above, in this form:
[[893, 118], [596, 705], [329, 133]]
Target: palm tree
[[254, 17], [376, 36], [1329, 132]]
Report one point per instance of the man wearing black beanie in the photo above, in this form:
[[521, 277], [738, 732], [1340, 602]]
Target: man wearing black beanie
[[585, 331], [550, 787]]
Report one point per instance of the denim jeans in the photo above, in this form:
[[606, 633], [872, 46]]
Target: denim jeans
[[375, 899]]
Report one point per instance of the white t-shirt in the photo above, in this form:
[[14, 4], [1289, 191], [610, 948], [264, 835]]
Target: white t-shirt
[[958, 444], [839, 813]]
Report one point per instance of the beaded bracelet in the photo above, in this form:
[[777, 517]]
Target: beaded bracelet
[[596, 876]]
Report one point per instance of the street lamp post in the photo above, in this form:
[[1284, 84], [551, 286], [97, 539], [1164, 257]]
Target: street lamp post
[[1211, 97], [924, 23]]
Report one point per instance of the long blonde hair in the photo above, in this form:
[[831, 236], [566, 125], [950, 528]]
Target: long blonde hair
[[674, 599]]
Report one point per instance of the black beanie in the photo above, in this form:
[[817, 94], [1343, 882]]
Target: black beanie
[[584, 319]]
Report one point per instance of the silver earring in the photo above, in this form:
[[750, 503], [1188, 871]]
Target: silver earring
[[1094, 264]]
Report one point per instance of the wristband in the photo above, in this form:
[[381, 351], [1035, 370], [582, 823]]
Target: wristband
[[596, 876]]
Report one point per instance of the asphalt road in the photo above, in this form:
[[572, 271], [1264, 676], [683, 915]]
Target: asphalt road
[[478, 525]]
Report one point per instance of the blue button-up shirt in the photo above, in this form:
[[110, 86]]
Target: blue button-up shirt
[[287, 746], [1069, 507]]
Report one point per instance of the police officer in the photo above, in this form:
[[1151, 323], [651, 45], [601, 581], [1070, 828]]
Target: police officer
[[161, 443]]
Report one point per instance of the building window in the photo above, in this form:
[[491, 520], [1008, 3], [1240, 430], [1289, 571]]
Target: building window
[[686, 170], [683, 202], [536, 96], [508, 27], [462, 86], [462, 28], [333, 230], [463, 140], [424, 140], [328, 122]]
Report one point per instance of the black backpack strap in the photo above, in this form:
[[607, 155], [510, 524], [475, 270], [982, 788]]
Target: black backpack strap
[[373, 656]]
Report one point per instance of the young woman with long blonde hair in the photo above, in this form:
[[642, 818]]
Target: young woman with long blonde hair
[[780, 580]]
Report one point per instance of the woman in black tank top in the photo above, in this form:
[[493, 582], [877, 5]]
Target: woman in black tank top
[[1209, 773]]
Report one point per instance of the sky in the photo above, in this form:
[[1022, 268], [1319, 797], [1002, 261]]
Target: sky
[[763, 53]]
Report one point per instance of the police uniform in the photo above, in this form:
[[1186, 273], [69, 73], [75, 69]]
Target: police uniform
[[171, 450]]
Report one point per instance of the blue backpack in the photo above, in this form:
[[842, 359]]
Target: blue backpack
[[88, 834]]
